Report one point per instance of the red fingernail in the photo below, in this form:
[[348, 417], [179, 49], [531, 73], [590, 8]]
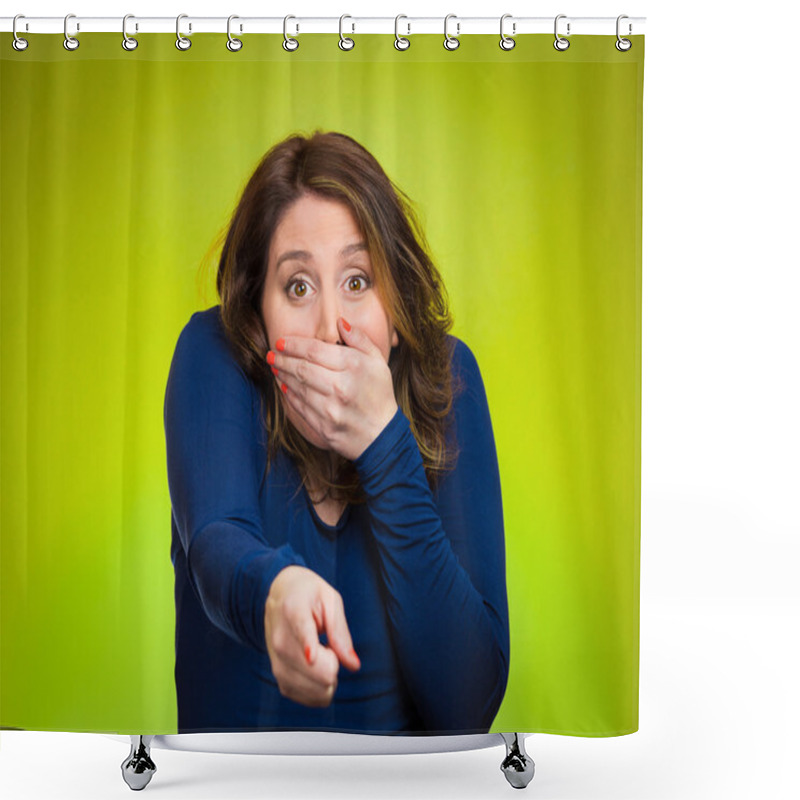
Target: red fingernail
[[270, 357], [284, 388], [346, 324], [280, 344], [308, 653], [274, 371]]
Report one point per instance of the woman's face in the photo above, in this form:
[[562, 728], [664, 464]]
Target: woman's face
[[318, 270]]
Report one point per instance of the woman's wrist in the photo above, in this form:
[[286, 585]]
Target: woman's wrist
[[382, 421], [394, 443]]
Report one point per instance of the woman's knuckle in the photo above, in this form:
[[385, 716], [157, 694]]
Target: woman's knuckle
[[279, 642], [331, 609], [289, 609], [314, 351], [332, 417], [341, 393], [289, 692]]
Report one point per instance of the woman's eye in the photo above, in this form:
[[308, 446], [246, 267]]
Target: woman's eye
[[356, 283], [298, 288]]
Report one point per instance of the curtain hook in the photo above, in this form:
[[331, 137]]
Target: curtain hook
[[18, 44], [345, 42], [451, 42], [400, 42], [561, 43], [128, 42], [233, 44], [623, 45], [506, 42], [70, 42], [182, 43], [290, 44]]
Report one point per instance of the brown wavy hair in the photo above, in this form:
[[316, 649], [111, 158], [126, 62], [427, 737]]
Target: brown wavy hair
[[335, 166]]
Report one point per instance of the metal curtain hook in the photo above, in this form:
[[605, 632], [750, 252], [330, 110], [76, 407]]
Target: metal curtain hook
[[623, 45], [345, 42], [18, 44], [182, 43], [128, 42], [451, 42], [400, 42], [70, 42], [233, 44], [506, 42], [561, 43], [290, 44]]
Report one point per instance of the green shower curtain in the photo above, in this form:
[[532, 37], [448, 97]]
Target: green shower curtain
[[120, 171]]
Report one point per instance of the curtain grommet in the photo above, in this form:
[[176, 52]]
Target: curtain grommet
[[507, 42], [290, 44], [182, 43], [400, 42], [70, 42], [623, 45], [560, 44], [233, 44], [18, 43], [451, 42]]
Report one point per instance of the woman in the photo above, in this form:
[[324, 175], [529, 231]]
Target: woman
[[337, 530]]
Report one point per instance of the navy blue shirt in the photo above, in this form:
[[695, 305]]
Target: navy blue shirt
[[421, 573]]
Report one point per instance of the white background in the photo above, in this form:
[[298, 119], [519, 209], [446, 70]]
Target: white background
[[719, 701]]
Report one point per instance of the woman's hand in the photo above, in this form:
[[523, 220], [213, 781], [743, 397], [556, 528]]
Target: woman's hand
[[299, 607], [344, 394]]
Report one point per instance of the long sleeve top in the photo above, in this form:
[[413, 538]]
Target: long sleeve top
[[421, 573]]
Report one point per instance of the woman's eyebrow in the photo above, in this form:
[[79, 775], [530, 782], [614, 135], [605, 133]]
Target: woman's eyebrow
[[304, 255], [352, 248]]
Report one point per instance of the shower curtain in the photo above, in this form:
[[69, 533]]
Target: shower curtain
[[120, 172]]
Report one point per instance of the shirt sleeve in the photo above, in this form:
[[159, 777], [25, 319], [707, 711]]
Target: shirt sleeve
[[443, 561], [214, 469]]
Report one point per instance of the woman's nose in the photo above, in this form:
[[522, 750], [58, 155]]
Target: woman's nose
[[327, 328]]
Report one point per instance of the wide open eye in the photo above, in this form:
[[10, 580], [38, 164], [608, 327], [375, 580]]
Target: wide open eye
[[297, 288], [357, 283]]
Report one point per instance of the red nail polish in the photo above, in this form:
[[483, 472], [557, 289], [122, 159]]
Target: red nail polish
[[280, 344], [274, 371], [308, 653], [270, 357], [284, 388], [346, 324]]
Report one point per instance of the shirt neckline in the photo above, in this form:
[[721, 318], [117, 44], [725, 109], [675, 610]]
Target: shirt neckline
[[320, 523]]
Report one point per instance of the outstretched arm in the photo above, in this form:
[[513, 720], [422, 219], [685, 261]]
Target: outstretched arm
[[214, 469]]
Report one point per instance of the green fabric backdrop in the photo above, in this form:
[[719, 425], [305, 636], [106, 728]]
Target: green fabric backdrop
[[120, 169]]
